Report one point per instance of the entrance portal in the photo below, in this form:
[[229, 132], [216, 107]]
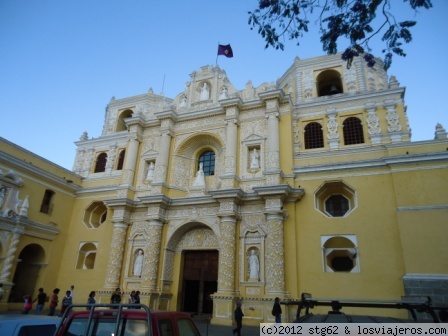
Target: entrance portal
[[200, 280]]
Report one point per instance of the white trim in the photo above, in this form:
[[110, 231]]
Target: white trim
[[425, 208], [425, 277]]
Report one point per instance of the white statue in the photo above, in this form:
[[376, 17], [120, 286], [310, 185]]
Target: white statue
[[223, 94], [204, 92], [254, 266], [150, 174], [200, 180], [24, 209], [255, 159], [138, 264], [183, 101]]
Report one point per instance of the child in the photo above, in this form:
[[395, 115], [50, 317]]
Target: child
[[28, 304], [66, 301]]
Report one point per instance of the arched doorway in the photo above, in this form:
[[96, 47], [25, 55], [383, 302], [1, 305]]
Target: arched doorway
[[200, 280], [31, 260]]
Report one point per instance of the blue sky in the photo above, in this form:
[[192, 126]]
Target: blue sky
[[62, 60]]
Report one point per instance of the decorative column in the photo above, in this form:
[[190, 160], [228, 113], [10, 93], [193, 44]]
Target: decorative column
[[393, 121], [116, 255], [131, 160], [373, 124], [162, 161], [10, 255], [111, 158], [332, 126], [231, 145], [227, 266], [152, 255], [228, 178], [275, 262], [361, 78], [273, 145]]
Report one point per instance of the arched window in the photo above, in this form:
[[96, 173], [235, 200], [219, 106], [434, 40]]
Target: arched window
[[46, 205], [86, 256], [314, 137], [340, 254], [353, 132], [208, 160], [100, 165], [121, 160]]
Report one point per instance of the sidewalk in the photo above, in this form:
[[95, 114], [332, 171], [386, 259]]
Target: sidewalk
[[207, 329]]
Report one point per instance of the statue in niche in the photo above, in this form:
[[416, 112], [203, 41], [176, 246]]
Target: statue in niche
[[200, 179], [205, 94], [254, 266], [150, 174], [183, 101], [138, 264], [224, 93], [255, 159]]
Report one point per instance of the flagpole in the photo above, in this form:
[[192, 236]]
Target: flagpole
[[216, 62]]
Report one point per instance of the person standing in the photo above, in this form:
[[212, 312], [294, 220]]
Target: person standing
[[54, 299], [72, 291], [116, 296], [238, 315], [41, 297], [131, 299], [66, 302], [277, 310], [137, 297], [91, 299]]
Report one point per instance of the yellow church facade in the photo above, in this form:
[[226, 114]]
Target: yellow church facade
[[307, 184]]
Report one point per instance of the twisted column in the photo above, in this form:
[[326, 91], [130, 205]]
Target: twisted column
[[10, 257]]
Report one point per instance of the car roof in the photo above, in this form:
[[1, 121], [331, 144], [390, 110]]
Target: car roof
[[22, 317], [137, 313]]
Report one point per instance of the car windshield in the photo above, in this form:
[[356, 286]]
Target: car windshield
[[106, 327]]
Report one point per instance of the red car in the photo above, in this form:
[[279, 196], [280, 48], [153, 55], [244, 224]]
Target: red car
[[124, 320]]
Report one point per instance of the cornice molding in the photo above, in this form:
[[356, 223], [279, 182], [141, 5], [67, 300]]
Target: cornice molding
[[374, 163]]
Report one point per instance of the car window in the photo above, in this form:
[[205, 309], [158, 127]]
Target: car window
[[135, 327], [187, 328], [37, 330], [76, 327], [166, 327]]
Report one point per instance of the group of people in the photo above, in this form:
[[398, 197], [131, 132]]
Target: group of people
[[53, 300], [134, 297]]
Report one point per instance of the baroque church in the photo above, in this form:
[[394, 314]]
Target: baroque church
[[306, 184]]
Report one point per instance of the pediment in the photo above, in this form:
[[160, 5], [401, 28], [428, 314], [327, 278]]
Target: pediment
[[150, 153], [253, 137]]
